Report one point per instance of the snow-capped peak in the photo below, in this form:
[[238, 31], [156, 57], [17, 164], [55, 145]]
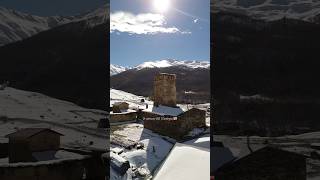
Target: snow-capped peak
[[172, 62], [116, 69]]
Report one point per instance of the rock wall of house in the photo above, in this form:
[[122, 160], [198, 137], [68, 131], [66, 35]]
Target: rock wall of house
[[44, 141], [197, 118], [64, 170], [165, 90], [176, 128], [71, 170], [122, 117], [19, 151], [171, 128], [4, 147]]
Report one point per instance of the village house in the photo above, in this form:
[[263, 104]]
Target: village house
[[265, 164], [175, 126], [197, 117], [26, 144], [122, 113], [118, 107], [123, 117]]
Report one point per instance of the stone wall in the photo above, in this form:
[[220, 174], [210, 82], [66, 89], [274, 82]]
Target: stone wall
[[44, 141], [196, 117], [177, 129], [165, 90], [4, 147], [21, 150], [116, 108], [171, 128], [92, 167], [67, 170], [122, 117]]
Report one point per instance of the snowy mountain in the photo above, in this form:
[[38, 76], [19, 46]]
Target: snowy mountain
[[15, 25], [272, 9], [41, 56], [116, 69], [172, 63]]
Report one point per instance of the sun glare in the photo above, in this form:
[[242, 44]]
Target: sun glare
[[161, 5]]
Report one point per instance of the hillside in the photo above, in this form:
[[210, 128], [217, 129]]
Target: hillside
[[67, 62], [273, 59], [277, 58], [272, 9], [140, 82], [16, 26]]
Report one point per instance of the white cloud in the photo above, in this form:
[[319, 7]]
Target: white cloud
[[148, 23], [196, 20]]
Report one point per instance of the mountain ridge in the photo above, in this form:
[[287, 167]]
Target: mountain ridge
[[16, 26], [271, 9], [192, 64]]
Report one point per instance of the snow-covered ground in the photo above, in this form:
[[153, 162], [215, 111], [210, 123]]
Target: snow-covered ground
[[23, 109], [134, 102], [16, 103], [142, 160]]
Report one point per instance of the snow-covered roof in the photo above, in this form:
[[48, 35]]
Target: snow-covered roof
[[124, 111], [165, 110], [117, 160], [185, 162], [203, 141]]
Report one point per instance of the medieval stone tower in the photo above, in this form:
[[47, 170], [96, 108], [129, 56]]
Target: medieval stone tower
[[164, 91]]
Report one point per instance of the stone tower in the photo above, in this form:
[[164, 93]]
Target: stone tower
[[164, 91]]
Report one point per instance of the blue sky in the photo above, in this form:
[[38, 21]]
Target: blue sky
[[140, 33], [52, 7]]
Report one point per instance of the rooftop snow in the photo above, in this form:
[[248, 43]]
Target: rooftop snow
[[185, 162], [165, 110]]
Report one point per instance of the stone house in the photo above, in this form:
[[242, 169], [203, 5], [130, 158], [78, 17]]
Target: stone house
[[118, 107], [197, 117], [175, 127], [123, 117], [268, 163], [25, 142]]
